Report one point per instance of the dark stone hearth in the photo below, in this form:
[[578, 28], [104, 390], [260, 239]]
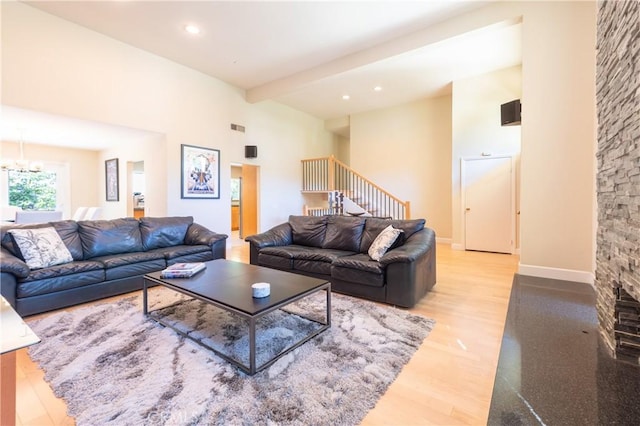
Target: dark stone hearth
[[618, 178]]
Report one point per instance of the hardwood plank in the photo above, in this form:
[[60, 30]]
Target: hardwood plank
[[449, 380]]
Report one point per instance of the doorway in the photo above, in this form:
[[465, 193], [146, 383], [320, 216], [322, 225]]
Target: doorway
[[489, 204], [244, 200], [136, 189]]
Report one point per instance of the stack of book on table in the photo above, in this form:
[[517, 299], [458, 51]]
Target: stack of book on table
[[182, 270]]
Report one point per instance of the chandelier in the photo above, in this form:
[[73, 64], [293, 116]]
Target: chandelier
[[21, 165]]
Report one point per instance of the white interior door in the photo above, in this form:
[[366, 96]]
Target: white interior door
[[489, 207]]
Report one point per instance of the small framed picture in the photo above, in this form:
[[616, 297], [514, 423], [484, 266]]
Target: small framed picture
[[111, 179], [200, 172]]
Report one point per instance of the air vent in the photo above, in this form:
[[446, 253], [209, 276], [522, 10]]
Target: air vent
[[237, 127]]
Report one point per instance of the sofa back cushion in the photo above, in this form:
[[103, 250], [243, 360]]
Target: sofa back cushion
[[159, 232], [103, 237], [68, 230], [308, 230], [374, 226], [343, 233]]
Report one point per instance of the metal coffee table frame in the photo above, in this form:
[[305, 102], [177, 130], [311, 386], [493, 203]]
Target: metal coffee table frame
[[251, 369]]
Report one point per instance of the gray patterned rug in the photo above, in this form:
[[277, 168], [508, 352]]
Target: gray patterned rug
[[113, 366]]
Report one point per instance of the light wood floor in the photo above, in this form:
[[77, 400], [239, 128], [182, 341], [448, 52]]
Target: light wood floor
[[449, 380]]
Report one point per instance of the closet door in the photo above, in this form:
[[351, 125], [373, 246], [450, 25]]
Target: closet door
[[489, 206]]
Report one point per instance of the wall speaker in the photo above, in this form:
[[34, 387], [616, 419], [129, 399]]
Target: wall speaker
[[250, 151], [510, 113]]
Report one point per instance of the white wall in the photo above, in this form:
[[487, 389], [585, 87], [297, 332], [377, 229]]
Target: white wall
[[54, 66], [152, 150], [477, 130], [406, 150], [558, 140]]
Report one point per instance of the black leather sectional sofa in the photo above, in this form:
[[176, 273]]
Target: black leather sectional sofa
[[335, 248], [109, 257]]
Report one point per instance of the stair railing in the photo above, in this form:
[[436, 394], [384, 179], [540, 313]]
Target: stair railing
[[328, 174]]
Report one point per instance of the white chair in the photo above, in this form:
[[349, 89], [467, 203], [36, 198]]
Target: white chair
[[92, 213], [37, 216], [80, 213], [8, 213]]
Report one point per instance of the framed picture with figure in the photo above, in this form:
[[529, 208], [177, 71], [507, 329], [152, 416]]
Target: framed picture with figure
[[111, 179], [200, 172]]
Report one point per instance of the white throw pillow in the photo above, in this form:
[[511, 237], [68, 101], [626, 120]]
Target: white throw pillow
[[383, 241], [41, 247]]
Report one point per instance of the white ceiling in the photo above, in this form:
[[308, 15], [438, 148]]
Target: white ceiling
[[307, 54]]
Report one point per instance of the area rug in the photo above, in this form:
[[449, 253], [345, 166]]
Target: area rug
[[111, 365]]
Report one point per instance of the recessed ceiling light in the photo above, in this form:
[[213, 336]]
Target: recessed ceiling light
[[377, 88], [192, 29], [346, 97]]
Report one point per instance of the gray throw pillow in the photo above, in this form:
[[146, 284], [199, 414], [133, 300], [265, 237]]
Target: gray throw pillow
[[383, 241], [41, 247]]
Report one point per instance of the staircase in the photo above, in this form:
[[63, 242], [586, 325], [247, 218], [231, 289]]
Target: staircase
[[347, 191]]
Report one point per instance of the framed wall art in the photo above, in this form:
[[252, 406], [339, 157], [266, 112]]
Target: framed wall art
[[111, 179], [200, 172]]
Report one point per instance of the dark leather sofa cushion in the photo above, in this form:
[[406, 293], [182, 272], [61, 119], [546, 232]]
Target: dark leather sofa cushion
[[60, 277], [272, 261], [158, 232], [322, 255], [312, 266], [307, 253], [374, 226], [308, 230], [104, 237], [359, 269], [174, 252], [116, 260], [126, 265], [344, 233], [68, 231]]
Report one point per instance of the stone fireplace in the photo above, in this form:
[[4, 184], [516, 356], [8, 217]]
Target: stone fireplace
[[618, 177]]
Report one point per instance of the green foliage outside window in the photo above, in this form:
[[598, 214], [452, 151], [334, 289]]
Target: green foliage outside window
[[32, 191]]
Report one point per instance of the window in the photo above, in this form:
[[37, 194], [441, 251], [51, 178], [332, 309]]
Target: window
[[235, 189], [32, 191]]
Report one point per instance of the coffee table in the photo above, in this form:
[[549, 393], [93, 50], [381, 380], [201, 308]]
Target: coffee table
[[227, 285]]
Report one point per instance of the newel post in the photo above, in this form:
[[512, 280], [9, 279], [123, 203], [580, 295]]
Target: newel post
[[332, 173]]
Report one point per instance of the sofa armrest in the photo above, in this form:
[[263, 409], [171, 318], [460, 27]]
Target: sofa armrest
[[415, 247], [8, 287], [11, 268], [11, 264], [277, 236], [411, 269], [200, 235]]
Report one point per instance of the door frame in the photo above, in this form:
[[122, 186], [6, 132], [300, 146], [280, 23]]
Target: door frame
[[463, 200]]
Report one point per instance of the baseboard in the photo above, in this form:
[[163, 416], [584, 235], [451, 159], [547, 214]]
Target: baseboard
[[557, 273], [457, 246], [440, 240]]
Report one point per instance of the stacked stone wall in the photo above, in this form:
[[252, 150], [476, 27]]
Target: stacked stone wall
[[618, 158]]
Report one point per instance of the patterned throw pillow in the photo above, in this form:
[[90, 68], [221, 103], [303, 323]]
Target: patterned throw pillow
[[41, 247], [383, 241]]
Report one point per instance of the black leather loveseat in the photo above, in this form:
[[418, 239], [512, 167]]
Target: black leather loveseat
[[336, 248], [107, 257]]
